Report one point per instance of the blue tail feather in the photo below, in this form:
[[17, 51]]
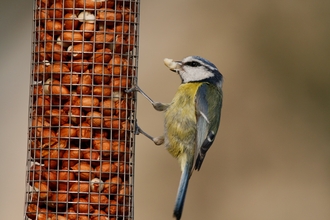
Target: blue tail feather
[[182, 190]]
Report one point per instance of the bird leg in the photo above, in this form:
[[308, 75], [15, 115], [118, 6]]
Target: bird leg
[[157, 105], [157, 140]]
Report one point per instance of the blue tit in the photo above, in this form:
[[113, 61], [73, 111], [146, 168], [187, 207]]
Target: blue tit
[[192, 118]]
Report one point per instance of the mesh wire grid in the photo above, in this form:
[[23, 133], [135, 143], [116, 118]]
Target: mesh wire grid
[[80, 156]]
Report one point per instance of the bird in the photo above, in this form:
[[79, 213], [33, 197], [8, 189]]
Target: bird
[[192, 118]]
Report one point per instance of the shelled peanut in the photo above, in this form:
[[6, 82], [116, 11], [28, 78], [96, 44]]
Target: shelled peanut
[[101, 187], [80, 135]]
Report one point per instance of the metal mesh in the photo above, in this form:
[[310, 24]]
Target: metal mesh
[[80, 161]]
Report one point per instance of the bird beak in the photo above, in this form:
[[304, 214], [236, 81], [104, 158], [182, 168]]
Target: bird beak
[[174, 66]]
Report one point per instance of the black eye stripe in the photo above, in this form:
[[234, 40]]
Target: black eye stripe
[[193, 64]]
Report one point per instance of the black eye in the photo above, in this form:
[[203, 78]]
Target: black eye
[[193, 64]]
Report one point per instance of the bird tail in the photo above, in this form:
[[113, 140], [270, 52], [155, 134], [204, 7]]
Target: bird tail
[[182, 190]]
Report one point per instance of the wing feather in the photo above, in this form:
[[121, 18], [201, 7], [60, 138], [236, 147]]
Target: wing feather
[[208, 111]]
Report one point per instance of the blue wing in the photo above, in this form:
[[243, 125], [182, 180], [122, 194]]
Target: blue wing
[[208, 111]]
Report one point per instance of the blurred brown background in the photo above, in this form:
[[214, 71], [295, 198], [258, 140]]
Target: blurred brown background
[[271, 158]]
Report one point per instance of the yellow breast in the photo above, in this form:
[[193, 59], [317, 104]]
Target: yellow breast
[[180, 121]]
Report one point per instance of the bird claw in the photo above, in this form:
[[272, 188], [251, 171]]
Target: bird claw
[[134, 88], [137, 130]]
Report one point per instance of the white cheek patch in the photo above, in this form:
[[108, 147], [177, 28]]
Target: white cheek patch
[[194, 74]]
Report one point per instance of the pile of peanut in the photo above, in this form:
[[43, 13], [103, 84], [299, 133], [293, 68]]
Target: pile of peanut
[[81, 120]]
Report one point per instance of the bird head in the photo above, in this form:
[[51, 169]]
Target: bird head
[[195, 69]]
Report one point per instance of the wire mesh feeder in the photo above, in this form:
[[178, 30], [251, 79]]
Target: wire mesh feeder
[[80, 161]]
